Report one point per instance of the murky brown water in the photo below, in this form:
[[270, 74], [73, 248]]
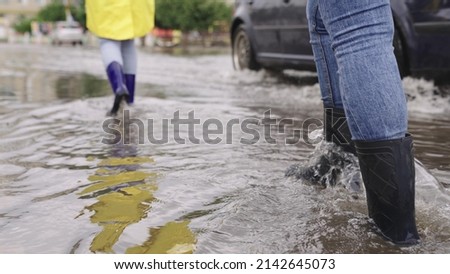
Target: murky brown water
[[63, 191]]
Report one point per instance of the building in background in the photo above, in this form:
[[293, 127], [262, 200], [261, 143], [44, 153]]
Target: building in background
[[10, 10], [21, 7]]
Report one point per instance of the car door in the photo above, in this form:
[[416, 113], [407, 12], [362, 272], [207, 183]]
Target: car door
[[294, 31], [265, 17], [432, 25]]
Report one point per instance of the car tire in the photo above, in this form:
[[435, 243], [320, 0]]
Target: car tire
[[400, 54], [242, 51]]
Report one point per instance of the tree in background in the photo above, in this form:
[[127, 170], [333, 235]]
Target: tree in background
[[53, 12], [56, 11], [191, 15], [79, 13], [23, 25]]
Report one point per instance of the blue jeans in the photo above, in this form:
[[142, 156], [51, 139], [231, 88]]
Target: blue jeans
[[357, 69]]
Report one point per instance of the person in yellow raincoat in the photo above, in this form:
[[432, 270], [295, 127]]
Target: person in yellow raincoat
[[116, 23]]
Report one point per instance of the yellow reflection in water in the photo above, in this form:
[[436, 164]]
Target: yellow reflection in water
[[125, 161], [172, 238], [104, 180], [124, 196], [117, 210]]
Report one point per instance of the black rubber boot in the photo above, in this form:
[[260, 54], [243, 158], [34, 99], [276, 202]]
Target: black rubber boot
[[388, 172], [336, 129], [117, 80]]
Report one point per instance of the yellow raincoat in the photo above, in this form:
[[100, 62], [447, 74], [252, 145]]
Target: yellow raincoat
[[120, 19]]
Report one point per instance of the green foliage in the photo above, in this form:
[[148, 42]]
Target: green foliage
[[23, 25], [56, 11], [52, 12], [166, 16], [79, 13], [191, 15]]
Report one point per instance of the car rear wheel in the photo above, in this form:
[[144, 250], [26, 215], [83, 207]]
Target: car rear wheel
[[243, 53]]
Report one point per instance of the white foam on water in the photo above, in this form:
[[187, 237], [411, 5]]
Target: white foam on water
[[425, 97]]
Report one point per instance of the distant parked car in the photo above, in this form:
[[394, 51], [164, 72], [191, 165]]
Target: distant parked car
[[3, 34], [67, 32], [166, 38], [274, 34]]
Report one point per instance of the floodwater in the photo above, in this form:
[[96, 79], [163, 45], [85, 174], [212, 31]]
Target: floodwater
[[65, 188]]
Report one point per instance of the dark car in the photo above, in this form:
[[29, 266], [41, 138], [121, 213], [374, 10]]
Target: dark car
[[273, 34]]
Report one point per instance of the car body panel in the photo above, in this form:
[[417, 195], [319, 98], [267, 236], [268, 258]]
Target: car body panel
[[280, 39], [432, 26], [294, 32], [265, 17], [67, 32]]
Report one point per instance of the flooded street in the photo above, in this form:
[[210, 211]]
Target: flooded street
[[65, 189]]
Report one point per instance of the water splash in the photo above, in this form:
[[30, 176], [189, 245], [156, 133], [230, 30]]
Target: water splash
[[329, 166], [425, 97]]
